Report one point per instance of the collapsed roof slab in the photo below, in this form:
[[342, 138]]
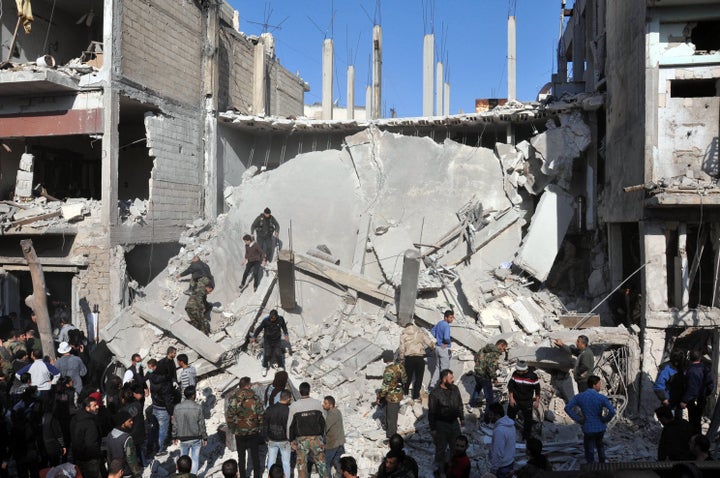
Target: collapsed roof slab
[[546, 233]]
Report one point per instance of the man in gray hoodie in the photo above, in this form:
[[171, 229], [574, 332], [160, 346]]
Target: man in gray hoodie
[[502, 452]]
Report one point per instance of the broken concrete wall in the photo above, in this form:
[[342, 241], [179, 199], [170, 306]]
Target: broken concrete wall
[[162, 46], [287, 91], [688, 128], [626, 140], [175, 184], [235, 65]]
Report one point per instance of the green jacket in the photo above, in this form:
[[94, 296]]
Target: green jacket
[[244, 412], [486, 362], [393, 379]]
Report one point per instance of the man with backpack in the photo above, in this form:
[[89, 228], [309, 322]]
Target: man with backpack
[[698, 385]]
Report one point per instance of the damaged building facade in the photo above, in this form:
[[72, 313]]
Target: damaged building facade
[[656, 143], [109, 132]]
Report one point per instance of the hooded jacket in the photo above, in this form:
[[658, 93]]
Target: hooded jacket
[[502, 452]]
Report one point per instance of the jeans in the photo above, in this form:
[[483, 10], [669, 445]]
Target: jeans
[[442, 361], [191, 448], [267, 244], [163, 418], [251, 442], [273, 353], [415, 369], [592, 441], [485, 386], [332, 460], [283, 447]]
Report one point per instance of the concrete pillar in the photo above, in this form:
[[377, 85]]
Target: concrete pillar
[[683, 296], [350, 92], [439, 89], [213, 185], [512, 60], [655, 284], [286, 279], [377, 72], [408, 287], [428, 63], [327, 79], [446, 99], [111, 118], [368, 103], [578, 47], [259, 79]]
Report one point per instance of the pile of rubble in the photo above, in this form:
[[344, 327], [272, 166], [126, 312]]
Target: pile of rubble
[[464, 208]]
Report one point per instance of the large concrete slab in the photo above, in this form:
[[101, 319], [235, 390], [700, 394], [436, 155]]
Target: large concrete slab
[[546, 233], [345, 362], [179, 327]]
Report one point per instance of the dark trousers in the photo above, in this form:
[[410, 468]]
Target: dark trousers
[[415, 369], [526, 408], [485, 386], [267, 244], [89, 468], [273, 353], [251, 442], [391, 418], [695, 412], [253, 268], [445, 435], [591, 441]]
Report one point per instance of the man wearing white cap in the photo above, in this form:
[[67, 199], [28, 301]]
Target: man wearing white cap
[[524, 394], [71, 366]]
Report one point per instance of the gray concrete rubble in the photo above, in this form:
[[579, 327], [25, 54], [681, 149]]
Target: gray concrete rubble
[[367, 204]]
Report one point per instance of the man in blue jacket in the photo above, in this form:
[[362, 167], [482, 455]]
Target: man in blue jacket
[[594, 420], [441, 332]]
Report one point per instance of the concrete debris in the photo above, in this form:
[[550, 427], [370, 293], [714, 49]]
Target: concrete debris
[[133, 211], [391, 192], [560, 145]]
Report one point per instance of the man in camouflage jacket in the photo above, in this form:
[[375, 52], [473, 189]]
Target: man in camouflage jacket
[[197, 306], [391, 391], [244, 416], [486, 366]]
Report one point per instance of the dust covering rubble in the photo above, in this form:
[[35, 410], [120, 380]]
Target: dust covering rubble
[[470, 212]]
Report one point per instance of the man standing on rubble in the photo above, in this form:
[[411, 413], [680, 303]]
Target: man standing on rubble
[[594, 420], [413, 343], [306, 430], [253, 260], [441, 332], [698, 385], [273, 353], [486, 367], [244, 416], [266, 230], [200, 275], [275, 431], [524, 394], [585, 363], [391, 391], [334, 436], [445, 415]]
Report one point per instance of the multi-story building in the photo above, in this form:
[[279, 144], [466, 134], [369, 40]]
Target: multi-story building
[[117, 103]]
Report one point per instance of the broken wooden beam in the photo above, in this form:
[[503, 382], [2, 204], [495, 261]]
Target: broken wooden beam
[[29, 220]]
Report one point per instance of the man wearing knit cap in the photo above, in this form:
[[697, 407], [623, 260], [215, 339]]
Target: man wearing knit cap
[[524, 394], [391, 391], [120, 445]]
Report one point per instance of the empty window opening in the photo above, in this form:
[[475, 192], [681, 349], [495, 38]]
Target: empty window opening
[[706, 36], [699, 242], [145, 261], [702, 88]]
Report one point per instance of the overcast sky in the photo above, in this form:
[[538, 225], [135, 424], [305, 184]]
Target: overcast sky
[[470, 37]]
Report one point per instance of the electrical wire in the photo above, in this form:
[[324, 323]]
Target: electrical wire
[[47, 33]]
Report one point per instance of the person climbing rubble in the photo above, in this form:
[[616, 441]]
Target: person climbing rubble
[[200, 276], [585, 363], [391, 391], [485, 372], [266, 229], [273, 352], [253, 261], [414, 341], [197, 307], [443, 342]]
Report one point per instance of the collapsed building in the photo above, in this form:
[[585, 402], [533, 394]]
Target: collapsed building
[[530, 220]]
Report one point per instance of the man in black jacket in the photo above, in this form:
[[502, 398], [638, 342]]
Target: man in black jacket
[[266, 229], [86, 439], [306, 431], [274, 327], [200, 275], [161, 391], [524, 392], [445, 416], [698, 385], [275, 431]]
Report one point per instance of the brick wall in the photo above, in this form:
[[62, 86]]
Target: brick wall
[[288, 96], [175, 181], [161, 47], [235, 72], [93, 283]]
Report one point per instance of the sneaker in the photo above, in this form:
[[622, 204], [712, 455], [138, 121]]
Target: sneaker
[[469, 408], [264, 372]]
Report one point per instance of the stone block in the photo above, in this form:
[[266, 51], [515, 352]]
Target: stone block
[[27, 162], [23, 183], [525, 316], [73, 212]]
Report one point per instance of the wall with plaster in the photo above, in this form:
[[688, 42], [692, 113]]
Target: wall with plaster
[[235, 71], [625, 138]]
